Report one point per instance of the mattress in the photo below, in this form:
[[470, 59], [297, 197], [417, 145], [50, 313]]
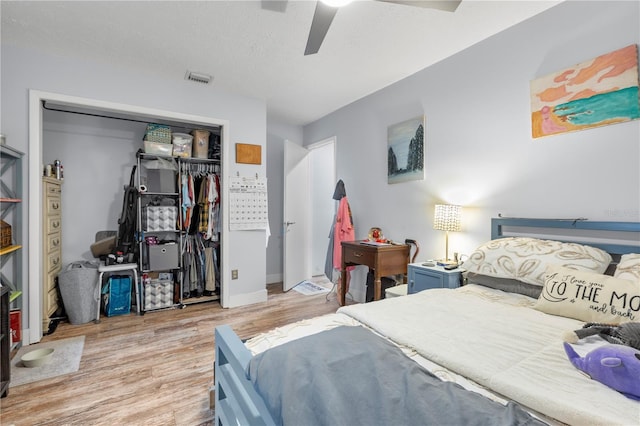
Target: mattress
[[488, 341]]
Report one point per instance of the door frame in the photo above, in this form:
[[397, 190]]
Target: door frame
[[311, 148], [314, 221], [36, 98]]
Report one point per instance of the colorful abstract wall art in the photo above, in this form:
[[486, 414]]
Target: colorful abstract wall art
[[591, 94]]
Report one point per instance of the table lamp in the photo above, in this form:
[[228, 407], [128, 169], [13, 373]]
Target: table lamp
[[447, 218]]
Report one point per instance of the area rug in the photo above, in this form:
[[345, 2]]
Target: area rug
[[309, 288], [65, 360]]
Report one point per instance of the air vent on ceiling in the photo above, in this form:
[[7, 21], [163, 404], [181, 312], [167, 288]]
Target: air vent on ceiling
[[198, 77]]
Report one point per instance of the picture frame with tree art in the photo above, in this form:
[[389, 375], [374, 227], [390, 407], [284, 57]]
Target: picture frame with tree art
[[405, 151]]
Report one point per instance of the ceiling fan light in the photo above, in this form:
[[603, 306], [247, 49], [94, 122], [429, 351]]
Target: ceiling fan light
[[336, 3]]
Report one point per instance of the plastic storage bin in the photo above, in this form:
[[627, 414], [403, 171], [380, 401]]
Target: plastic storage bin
[[182, 145], [78, 287], [158, 148], [200, 143]]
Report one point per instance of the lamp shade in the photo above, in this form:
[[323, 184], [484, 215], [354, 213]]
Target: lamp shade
[[447, 217]]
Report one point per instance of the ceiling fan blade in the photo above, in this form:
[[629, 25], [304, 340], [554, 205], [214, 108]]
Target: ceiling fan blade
[[275, 5], [447, 5], [322, 18]]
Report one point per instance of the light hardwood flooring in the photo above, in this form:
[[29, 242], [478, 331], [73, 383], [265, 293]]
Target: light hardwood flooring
[[154, 369]]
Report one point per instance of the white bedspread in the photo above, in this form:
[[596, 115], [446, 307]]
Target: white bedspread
[[501, 343]]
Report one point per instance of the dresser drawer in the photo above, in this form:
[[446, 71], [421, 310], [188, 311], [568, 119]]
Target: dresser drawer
[[52, 189], [53, 206], [53, 242], [51, 302], [53, 261], [52, 224], [50, 281], [361, 257]]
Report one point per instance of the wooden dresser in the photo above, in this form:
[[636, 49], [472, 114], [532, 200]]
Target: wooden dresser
[[52, 245]]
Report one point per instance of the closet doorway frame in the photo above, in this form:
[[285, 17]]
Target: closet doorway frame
[[36, 98]]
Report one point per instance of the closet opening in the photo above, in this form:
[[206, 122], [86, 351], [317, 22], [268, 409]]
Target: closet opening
[[100, 145]]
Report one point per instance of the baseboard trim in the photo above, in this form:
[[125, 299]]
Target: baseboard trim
[[274, 278], [248, 298]]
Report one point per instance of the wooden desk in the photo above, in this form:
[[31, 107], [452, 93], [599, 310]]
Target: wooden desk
[[384, 260]]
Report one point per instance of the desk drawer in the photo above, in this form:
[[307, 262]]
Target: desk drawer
[[361, 257]]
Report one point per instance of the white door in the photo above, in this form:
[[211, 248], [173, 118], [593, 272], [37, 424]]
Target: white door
[[296, 241]]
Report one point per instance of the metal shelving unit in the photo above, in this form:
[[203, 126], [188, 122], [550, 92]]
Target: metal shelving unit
[[11, 171], [10, 256], [146, 196]]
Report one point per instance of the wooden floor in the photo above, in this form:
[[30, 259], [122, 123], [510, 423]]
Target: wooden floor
[[154, 369]]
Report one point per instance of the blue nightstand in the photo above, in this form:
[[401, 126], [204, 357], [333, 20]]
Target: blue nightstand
[[427, 277]]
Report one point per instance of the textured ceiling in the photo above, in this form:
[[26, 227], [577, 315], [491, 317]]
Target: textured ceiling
[[258, 52]]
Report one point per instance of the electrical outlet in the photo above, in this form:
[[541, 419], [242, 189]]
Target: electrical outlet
[[234, 274]]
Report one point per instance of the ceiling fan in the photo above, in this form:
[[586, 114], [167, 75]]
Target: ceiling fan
[[326, 10]]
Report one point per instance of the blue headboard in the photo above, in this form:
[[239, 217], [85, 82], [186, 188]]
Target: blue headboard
[[613, 237]]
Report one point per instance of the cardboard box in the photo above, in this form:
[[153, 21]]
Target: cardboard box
[[5, 234], [15, 326]]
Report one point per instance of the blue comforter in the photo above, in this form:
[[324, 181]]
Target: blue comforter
[[350, 376]]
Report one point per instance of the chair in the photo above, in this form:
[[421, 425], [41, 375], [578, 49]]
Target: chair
[[103, 246]]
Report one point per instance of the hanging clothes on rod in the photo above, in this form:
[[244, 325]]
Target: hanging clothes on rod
[[200, 187]]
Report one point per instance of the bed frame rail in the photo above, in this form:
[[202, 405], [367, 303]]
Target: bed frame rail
[[236, 400], [613, 237]]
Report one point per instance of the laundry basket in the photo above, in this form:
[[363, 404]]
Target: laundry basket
[[78, 287]]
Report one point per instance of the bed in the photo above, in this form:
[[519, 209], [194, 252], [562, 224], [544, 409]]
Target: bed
[[494, 345]]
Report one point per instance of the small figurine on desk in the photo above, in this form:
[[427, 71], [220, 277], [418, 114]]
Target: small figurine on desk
[[375, 235]]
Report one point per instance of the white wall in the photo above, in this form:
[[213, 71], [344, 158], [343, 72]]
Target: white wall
[[24, 69], [97, 155], [478, 146]]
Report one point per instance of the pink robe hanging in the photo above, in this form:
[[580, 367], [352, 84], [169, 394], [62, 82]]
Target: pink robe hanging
[[343, 231]]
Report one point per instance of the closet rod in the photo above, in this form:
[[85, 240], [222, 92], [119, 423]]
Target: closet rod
[[44, 105]]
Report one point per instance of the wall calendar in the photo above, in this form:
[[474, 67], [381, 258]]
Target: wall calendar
[[248, 203]]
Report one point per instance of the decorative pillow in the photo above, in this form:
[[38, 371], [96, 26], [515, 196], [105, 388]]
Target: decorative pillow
[[589, 297], [505, 284], [526, 259], [629, 267]]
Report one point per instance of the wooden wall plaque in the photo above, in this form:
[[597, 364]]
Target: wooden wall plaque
[[248, 154]]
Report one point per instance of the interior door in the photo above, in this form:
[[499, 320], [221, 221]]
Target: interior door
[[296, 227]]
